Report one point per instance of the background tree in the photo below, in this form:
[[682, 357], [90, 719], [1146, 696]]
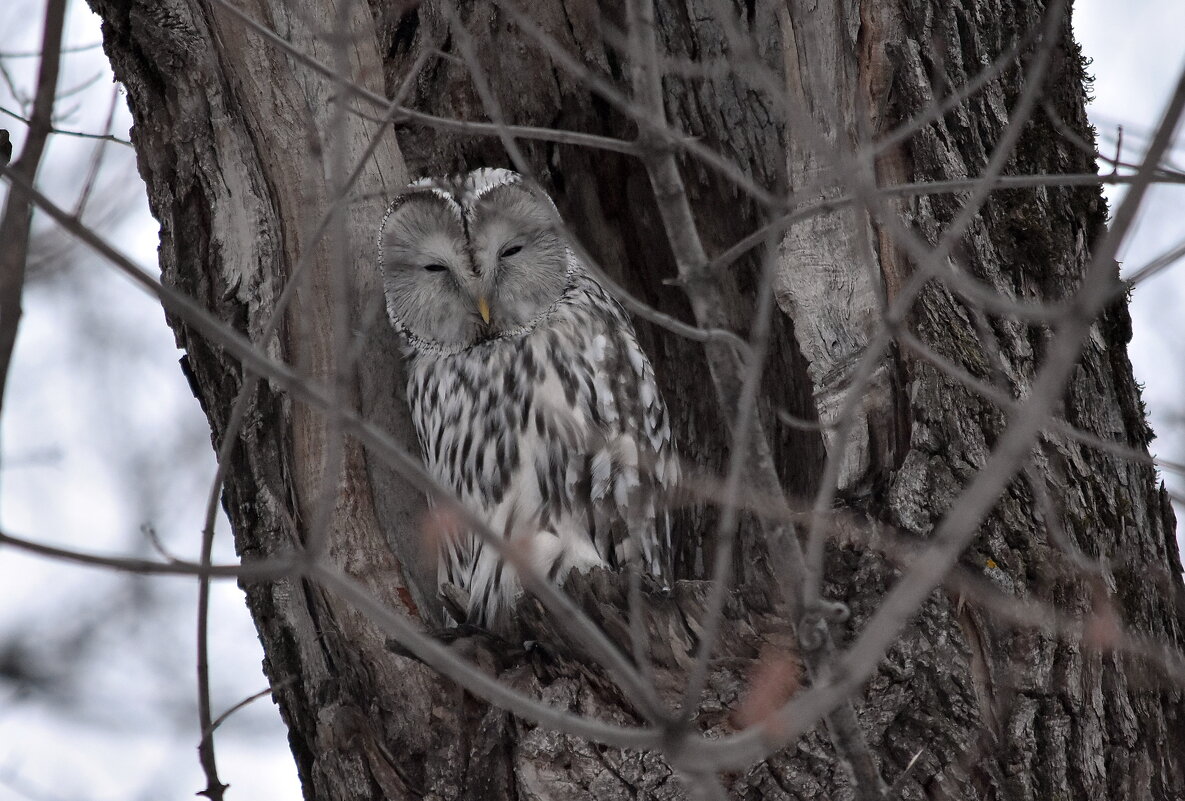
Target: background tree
[[924, 333]]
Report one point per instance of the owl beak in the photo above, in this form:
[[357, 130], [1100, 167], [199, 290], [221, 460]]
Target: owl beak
[[483, 308]]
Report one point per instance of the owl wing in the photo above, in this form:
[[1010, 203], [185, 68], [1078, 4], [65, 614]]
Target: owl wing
[[628, 465]]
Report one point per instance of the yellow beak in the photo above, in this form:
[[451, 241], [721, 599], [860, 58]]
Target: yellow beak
[[483, 307]]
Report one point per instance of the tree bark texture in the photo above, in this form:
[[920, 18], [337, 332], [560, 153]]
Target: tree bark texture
[[233, 138]]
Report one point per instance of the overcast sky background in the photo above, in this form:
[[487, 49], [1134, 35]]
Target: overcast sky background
[[101, 437]]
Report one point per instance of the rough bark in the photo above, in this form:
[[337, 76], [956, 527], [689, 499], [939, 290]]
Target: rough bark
[[232, 137]]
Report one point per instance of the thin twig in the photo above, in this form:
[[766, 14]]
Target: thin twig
[[39, 53], [107, 137], [96, 163], [1029, 612], [1162, 262], [260, 570], [1073, 137], [726, 529], [431, 651], [250, 699]]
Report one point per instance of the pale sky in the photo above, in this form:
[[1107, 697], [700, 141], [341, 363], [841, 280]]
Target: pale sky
[[74, 473]]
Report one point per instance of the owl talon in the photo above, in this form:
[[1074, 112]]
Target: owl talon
[[539, 650]]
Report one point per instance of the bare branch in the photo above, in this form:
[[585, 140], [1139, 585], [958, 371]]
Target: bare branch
[[1030, 612], [250, 699], [1158, 264], [260, 570], [92, 172], [726, 530], [18, 213], [107, 137], [40, 53]]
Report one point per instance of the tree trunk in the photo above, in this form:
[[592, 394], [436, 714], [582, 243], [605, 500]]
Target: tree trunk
[[238, 143]]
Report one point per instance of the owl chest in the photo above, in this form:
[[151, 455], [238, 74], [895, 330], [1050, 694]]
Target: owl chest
[[500, 428]]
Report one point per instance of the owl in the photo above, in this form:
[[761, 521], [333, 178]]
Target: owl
[[531, 398]]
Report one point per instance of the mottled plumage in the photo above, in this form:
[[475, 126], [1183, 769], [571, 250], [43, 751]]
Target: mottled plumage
[[530, 395]]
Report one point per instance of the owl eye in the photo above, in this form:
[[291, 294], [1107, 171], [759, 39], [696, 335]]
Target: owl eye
[[435, 268], [510, 251]]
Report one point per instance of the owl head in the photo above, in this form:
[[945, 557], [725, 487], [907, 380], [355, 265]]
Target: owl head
[[470, 257]]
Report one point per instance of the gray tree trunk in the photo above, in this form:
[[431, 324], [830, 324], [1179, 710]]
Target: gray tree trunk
[[234, 141]]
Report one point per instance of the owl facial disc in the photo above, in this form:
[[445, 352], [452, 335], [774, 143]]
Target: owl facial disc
[[469, 258]]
